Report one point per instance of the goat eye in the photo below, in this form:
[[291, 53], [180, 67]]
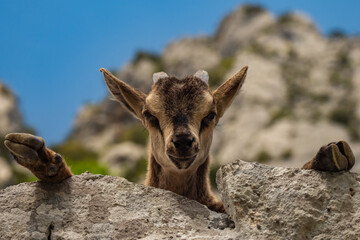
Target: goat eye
[[148, 115], [151, 119], [207, 120], [210, 116]]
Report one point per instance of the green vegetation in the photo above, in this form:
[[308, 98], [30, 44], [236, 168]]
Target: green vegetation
[[345, 114], [295, 76], [22, 177], [136, 173], [315, 114], [280, 114], [337, 79], [337, 34], [252, 10], [292, 54], [320, 98], [5, 91], [343, 60], [155, 58], [263, 156], [259, 49], [287, 154], [354, 130], [213, 169], [134, 133], [217, 74], [285, 18], [342, 72], [3, 149], [79, 158]]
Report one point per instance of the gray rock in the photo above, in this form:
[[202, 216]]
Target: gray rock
[[278, 203], [99, 125], [10, 117], [241, 27], [188, 55], [122, 157], [139, 74], [6, 175], [104, 207]]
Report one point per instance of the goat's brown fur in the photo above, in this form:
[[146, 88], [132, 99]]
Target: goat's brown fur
[[30, 152], [180, 115]]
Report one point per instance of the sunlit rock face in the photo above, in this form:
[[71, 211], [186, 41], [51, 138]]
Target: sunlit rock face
[[10, 117], [278, 203], [103, 207], [10, 121]]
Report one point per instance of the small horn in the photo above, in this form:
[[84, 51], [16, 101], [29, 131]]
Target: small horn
[[159, 75], [203, 75]]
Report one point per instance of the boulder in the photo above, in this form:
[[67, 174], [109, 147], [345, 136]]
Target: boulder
[[104, 207], [122, 157], [281, 203], [264, 202]]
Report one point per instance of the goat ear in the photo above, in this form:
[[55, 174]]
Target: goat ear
[[132, 99], [224, 94]]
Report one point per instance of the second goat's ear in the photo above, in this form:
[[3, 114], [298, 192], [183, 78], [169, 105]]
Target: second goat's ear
[[132, 99], [224, 94]]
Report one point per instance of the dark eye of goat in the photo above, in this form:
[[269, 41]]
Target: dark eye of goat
[[153, 121], [210, 116], [207, 120]]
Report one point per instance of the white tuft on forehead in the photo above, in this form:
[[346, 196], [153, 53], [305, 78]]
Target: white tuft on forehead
[[159, 75], [203, 75]]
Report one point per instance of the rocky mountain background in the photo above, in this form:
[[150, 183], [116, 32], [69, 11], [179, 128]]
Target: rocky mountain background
[[10, 121], [302, 91]]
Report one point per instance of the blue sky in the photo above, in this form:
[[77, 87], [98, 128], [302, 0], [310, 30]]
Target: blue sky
[[51, 51]]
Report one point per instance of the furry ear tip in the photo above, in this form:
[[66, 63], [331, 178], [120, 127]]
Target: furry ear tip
[[159, 75], [203, 75]]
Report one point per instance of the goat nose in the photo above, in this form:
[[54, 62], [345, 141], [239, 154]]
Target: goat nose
[[183, 142]]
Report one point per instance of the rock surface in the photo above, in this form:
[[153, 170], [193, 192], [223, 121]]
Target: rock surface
[[104, 207], [122, 157], [278, 203], [264, 202], [5, 173], [10, 121], [10, 117]]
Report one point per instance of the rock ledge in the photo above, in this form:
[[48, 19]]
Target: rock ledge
[[283, 203], [104, 207]]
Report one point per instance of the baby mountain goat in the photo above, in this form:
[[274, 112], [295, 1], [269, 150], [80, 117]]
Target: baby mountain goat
[[180, 115]]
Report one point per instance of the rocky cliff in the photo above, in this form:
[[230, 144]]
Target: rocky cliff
[[264, 202], [301, 90], [10, 121]]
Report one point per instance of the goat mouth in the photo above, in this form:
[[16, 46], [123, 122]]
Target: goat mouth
[[182, 162]]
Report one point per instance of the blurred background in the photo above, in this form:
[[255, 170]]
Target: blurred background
[[302, 89]]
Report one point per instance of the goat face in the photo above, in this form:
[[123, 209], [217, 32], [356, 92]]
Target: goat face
[[180, 115]]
